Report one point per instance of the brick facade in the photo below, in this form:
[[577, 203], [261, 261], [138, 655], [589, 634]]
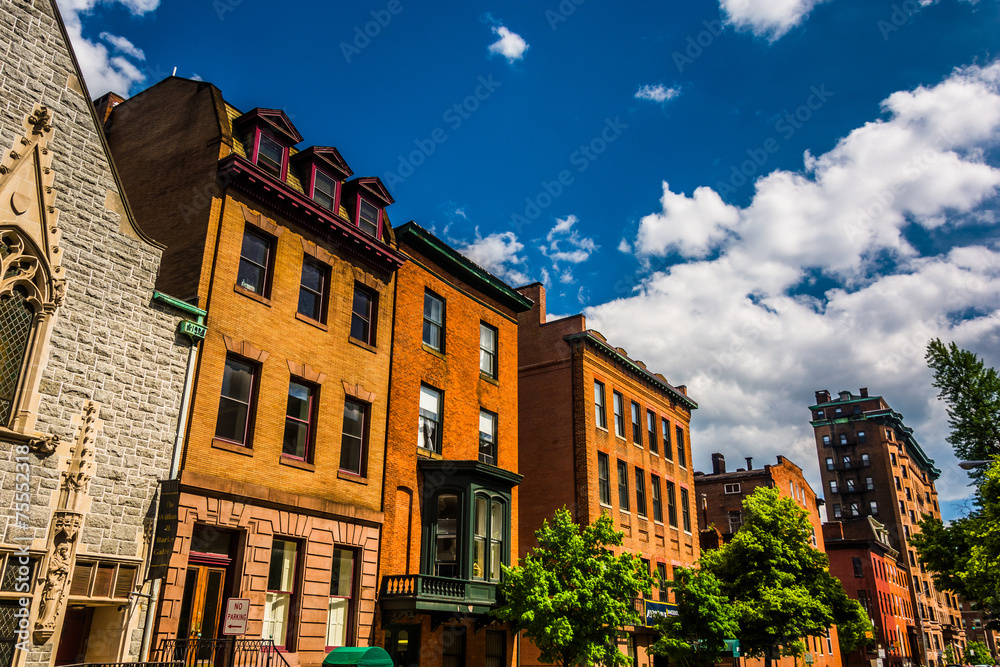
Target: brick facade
[[104, 371]]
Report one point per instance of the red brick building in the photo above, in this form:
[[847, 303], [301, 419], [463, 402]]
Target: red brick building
[[451, 496], [720, 516], [601, 433], [872, 465], [280, 489], [870, 571]]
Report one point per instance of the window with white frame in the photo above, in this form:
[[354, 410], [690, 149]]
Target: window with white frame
[[619, 406], [429, 435], [487, 350], [339, 608], [279, 601], [600, 409], [732, 488], [487, 437]]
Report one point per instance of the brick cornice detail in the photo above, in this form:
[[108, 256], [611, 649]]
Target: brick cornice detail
[[261, 222], [316, 252], [245, 349], [306, 372], [359, 392]]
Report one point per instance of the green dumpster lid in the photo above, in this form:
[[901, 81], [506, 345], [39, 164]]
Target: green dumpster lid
[[364, 656]]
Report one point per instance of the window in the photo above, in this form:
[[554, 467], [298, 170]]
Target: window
[[300, 420], [603, 478], [909, 496], [855, 509], [313, 290], [623, 486], [668, 448], [487, 350], [869, 484], [446, 530], [850, 486], [837, 411], [873, 508], [488, 538], [338, 615], [661, 580], [636, 425], [847, 461], [819, 414], [906, 473], [368, 218], [236, 402], [640, 492], [496, 648], [902, 507], [364, 315], [913, 517], [453, 646], [732, 488], [671, 504], [836, 511], [433, 321], [861, 437], [353, 443], [899, 486], [279, 602], [856, 562], [657, 503], [619, 405], [685, 510], [829, 463], [255, 262], [600, 411], [833, 486], [487, 437], [843, 438], [892, 458], [654, 446], [681, 448], [865, 461], [325, 194], [735, 520], [429, 436], [270, 155]]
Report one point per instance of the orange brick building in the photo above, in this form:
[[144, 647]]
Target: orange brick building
[[280, 489], [451, 496], [721, 495], [601, 433]]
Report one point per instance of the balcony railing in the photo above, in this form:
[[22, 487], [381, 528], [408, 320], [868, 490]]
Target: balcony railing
[[423, 592], [221, 653]]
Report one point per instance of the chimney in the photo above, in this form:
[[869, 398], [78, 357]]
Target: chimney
[[864, 392], [749, 462], [535, 292], [823, 396], [105, 104], [718, 464]]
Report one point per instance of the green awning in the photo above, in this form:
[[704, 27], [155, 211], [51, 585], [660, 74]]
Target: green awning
[[364, 656]]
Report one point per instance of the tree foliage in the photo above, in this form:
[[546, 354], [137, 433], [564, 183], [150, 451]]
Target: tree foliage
[[705, 619], [780, 586], [572, 595], [977, 653]]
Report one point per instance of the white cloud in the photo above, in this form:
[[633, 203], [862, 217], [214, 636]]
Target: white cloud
[[564, 244], [102, 71], [510, 45], [657, 93], [624, 246], [498, 254], [734, 324], [766, 18]]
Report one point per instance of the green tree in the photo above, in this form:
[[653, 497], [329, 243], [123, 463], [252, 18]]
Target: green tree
[[572, 595], [978, 653], [780, 586], [705, 619]]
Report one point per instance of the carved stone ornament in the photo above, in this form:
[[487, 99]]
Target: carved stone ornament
[[40, 120], [67, 526], [43, 445]]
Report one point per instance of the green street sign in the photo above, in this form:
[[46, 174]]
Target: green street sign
[[809, 659], [734, 646]]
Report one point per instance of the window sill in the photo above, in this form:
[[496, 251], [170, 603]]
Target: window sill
[[352, 477], [605, 505], [232, 447], [488, 378], [308, 320], [437, 353], [629, 512], [252, 295], [638, 444], [360, 343], [429, 453], [601, 428], [296, 463]]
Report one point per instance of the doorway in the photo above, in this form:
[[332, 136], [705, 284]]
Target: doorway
[[72, 647], [201, 606]]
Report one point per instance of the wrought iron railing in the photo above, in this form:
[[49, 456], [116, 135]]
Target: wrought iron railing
[[407, 585], [230, 652], [126, 664]]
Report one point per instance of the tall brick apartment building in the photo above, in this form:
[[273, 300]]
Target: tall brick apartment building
[[868, 567], [280, 488], [91, 366], [720, 516], [451, 472], [601, 433], [872, 465]]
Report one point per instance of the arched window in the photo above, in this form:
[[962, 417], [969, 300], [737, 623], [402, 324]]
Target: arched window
[[16, 315]]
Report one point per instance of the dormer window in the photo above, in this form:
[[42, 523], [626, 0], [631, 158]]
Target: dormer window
[[368, 218], [325, 191], [270, 155]]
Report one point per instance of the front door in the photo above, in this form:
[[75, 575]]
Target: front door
[[201, 607]]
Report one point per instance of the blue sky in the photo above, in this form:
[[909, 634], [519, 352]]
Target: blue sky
[[758, 198]]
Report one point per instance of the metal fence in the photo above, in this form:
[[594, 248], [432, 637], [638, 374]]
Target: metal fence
[[230, 652]]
